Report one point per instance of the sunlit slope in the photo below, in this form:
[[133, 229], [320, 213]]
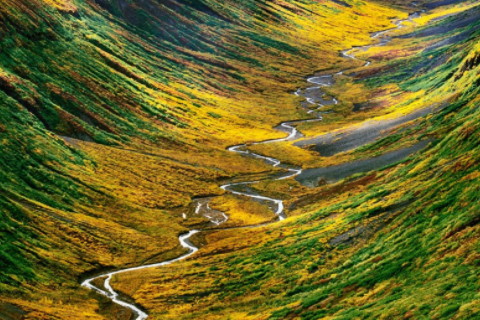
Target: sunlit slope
[[400, 243], [114, 112]]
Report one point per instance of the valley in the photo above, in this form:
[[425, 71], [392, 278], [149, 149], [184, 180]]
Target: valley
[[274, 160], [278, 205]]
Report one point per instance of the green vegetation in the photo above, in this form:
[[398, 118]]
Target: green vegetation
[[116, 114]]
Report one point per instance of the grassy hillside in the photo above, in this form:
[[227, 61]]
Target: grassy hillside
[[116, 114]]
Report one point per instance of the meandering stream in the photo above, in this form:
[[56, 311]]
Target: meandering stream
[[314, 97]]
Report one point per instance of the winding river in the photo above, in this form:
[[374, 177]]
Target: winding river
[[314, 98]]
